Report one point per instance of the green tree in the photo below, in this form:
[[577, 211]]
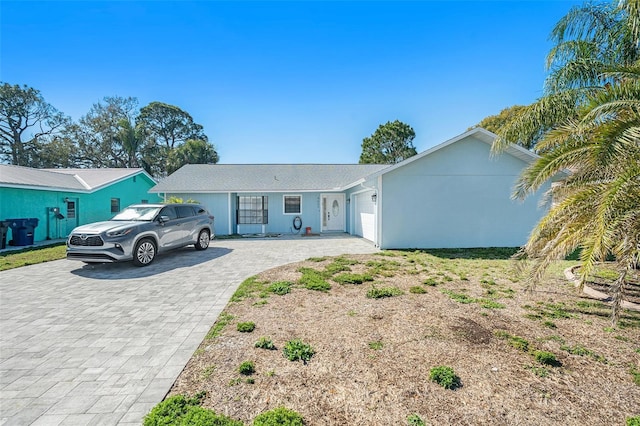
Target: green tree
[[494, 123], [391, 143], [193, 151], [56, 152], [101, 137], [26, 120], [167, 125], [589, 122], [132, 140]]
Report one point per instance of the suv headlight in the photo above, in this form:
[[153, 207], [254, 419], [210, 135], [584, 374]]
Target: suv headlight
[[118, 233]]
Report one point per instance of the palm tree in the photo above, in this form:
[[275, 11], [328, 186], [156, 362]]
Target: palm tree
[[588, 126]]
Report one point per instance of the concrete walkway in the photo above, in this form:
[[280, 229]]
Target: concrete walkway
[[102, 344]]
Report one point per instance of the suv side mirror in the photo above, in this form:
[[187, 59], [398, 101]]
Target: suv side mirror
[[163, 219]]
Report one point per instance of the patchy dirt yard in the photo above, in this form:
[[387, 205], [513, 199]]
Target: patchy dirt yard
[[373, 356]]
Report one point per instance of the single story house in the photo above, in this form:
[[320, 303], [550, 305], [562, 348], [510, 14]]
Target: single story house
[[455, 194], [62, 199]]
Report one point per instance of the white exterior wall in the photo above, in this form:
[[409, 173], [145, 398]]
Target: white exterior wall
[[457, 196]]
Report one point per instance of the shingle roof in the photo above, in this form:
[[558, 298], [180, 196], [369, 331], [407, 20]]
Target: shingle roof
[[96, 178], [264, 177], [82, 180]]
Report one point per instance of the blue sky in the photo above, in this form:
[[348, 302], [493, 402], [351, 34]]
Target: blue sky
[[287, 82]]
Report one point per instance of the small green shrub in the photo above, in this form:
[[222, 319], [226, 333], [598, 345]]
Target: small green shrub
[[246, 327], [576, 350], [352, 278], [335, 267], [519, 343], [280, 287], [514, 341], [546, 358], [431, 282], [635, 373], [415, 420], [550, 324], [207, 372], [444, 376], [247, 368], [183, 411], [383, 267], [265, 343], [533, 316], [490, 304], [313, 280], [171, 410], [297, 350], [378, 293], [280, 416], [459, 297], [416, 289], [248, 288], [200, 416], [376, 345], [582, 351], [552, 338], [223, 320], [538, 371], [633, 421], [501, 334]]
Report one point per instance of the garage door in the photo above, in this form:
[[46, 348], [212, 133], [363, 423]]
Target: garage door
[[365, 216]]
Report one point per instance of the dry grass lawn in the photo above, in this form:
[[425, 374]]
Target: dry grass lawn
[[373, 357]]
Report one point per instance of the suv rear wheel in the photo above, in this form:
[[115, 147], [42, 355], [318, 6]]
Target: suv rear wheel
[[203, 240], [145, 252]]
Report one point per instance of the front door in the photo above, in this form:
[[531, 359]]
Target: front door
[[333, 213], [71, 221]]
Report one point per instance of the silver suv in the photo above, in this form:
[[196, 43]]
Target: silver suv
[[141, 231]]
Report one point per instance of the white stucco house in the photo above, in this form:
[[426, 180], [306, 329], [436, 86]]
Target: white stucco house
[[455, 194]]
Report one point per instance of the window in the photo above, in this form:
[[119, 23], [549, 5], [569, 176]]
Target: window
[[115, 205], [292, 204], [71, 209], [185, 211], [169, 211], [252, 210]]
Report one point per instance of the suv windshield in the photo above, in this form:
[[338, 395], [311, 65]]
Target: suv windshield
[[137, 213]]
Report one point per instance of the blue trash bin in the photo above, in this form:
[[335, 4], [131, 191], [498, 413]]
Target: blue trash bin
[[22, 230], [4, 230]]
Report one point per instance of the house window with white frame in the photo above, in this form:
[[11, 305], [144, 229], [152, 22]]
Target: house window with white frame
[[252, 210], [292, 204]]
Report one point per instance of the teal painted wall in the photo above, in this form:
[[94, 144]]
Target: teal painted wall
[[35, 203]]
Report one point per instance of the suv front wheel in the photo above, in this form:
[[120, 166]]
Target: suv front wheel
[[145, 252]]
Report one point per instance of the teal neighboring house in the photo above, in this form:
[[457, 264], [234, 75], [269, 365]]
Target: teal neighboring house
[[62, 199]]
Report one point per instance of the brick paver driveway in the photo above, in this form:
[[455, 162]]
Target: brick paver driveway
[[103, 344]]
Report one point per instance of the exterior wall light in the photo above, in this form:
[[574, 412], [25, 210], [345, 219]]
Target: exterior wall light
[[374, 198]]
